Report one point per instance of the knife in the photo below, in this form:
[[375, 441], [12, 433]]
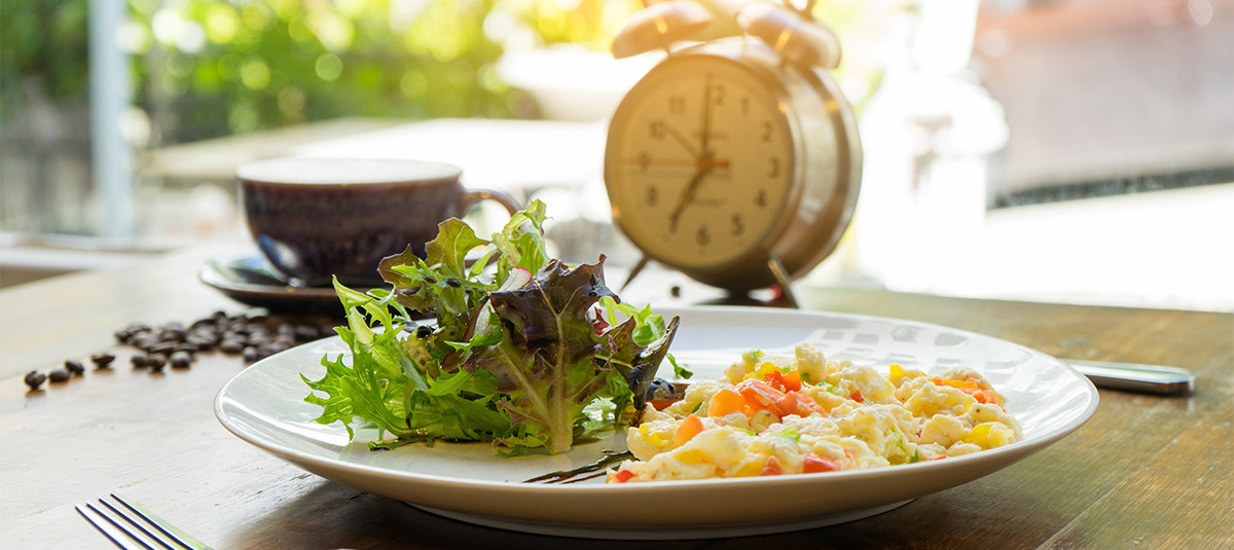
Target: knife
[[1154, 379]]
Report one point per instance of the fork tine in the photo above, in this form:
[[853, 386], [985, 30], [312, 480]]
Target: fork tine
[[132, 521], [115, 532], [176, 535]]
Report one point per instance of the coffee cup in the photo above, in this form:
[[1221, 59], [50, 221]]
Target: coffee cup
[[314, 219]]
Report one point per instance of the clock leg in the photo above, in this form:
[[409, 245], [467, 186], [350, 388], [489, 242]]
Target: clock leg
[[781, 275], [638, 268]]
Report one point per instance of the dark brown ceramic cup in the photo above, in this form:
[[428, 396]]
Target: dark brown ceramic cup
[[314, 219]]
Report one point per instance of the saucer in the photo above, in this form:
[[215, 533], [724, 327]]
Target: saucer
[[253, 281]]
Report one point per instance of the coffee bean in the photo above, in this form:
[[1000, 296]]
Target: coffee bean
[[163, 347], [202, 340], [34, 379], [58, 375], [144, 341], [74, 367], [102, 360], [140, 360], [305, 333], [250, 354], [157, 362], [181, 359], [173, 334], [231, 347]]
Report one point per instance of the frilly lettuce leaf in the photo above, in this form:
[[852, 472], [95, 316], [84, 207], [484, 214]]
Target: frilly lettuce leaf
[[526, 361]]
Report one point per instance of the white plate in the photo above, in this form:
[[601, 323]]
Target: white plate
[[469, 481]]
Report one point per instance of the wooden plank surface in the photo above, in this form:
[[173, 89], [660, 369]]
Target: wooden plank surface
[[1146, 471]]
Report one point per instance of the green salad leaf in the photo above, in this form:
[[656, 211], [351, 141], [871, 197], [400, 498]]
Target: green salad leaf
[[526, 351]]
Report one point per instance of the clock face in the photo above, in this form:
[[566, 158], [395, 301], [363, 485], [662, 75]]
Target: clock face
[[699, 161]]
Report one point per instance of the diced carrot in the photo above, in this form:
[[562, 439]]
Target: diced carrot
[[792, 380], [689, 427], [622, 476], [772, 467], [725, 401], [939, 457], [856, 396], [813, 463], [958, 384]]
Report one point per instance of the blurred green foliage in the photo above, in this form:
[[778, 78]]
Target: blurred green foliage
[[208, 68], [43, 45]]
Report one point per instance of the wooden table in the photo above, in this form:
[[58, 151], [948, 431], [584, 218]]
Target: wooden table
[[1145, 471]]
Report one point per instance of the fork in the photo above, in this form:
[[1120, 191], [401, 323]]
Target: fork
[[131, 526]]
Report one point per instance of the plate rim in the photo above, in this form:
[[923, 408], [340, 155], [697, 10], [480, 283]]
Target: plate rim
[[992, 459]]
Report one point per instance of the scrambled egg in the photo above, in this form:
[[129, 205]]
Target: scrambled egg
[[804, 414]]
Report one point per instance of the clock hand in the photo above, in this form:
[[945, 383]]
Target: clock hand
[[687, 196], [704, 159], [683, 141], [704, 137]]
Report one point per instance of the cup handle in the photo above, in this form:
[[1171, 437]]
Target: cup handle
[[473, 196]]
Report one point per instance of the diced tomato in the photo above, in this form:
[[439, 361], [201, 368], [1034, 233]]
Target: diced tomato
[[813, 463], [803, 405], [792, 380], [622, 476], [775, 380], [772, 467], [759, 396], [689, 427], [856, 396], [725, 401]]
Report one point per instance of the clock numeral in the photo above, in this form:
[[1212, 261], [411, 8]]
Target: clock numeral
[[702, 236], [718, 93], [737, 226], [653, 196], [761, 198], [745, 105], [768, 131], [659, 130], [643, 160], [774, 169], [676, 104]]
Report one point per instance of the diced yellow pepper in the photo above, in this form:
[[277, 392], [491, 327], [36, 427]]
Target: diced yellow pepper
[[691, 456], [658, 439], [988, 435]]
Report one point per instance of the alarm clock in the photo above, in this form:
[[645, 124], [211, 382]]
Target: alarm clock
[[737, 160]]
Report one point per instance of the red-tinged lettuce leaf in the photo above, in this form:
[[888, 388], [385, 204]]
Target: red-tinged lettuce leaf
[[646, 360], [546, 364]]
